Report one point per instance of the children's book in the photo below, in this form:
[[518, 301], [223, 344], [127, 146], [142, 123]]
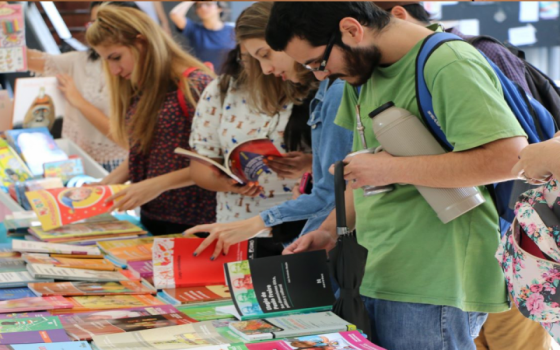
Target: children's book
[[90, 288], [18, 279], [34, 304], [62, 206], [65, 273], [32, 330], [52, 248], [141, 269], [20, 188], [88, 317], [206, 311], [24, 315], [278, 285], [204, 294], [13, 51], [16, 293], [86, 229], [12, 167], [87, 330], [244, 162], [64, 169], [108, 302], [38, 103], [74, 345], [88, 264], [291, 326], [175, 266], [36, 145]]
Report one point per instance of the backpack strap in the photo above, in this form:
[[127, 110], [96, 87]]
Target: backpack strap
[[180, 94]]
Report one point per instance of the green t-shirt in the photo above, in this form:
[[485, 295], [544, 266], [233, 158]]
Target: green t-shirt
[[413, 257]]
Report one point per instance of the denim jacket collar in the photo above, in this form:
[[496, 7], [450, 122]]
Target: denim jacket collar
[[319, 96]]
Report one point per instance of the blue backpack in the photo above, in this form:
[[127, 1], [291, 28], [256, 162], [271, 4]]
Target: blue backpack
[[536, 121]]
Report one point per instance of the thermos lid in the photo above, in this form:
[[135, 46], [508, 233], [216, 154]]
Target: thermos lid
[[378, 110]]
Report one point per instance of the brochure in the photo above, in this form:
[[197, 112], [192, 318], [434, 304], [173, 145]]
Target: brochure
[[90, 288], [34, 304], [244, 162], [175, 266]]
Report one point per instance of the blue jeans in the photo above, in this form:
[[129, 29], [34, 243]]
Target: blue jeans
[[410, 326]]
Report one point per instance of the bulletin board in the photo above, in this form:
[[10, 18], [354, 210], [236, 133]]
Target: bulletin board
[[524, 24]]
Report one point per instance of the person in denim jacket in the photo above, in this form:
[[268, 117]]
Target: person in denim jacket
[[330, 143]]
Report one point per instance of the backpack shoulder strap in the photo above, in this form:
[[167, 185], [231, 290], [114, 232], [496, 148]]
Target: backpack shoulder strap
[[423, 95], [180, 95]]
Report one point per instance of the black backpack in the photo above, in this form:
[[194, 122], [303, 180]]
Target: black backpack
[[540, 85]]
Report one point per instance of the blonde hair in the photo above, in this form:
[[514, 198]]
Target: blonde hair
[[268, 93], [159, 65]]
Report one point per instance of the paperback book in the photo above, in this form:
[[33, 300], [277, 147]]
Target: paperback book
[[52, 248], [34, 304], [86, 230], [204, 294], [62, 206], [12, 168], [16, 293], [142, 269], [244, 162], [122, 252], [108, 302], [88, 317], [90, 288], [278, 286], [24, 315], [74, 345], [64, 169], [18, 279], [38, 102], [32, 330], [88, 264], [65, 273], [175, 266], [206, 311]]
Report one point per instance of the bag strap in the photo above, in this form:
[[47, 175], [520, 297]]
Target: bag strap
[[180, 95]]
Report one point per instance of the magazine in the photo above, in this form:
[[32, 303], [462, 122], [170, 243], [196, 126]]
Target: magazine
[[34, 304], [62, 206], [291, 326], [278, 286], [13, 50], [87, 229], [18, 279], [65, 273], [88, 317], [88, 264], [16, 293], [108, 302], [175, 266], [204, 294], [52, 248], [38, 102], [244, 162], [90, 288], [32, 330]]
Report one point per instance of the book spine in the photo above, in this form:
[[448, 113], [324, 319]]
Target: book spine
[[287, 313]]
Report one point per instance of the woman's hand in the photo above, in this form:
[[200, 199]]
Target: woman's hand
[[292, 165], [251, 189], [227, 234], [538, 162], [136, 195], [68, 87]]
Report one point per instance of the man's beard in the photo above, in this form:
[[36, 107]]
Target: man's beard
[[359, 63]]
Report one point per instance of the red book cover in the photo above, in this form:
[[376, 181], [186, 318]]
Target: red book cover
[[176, 267]]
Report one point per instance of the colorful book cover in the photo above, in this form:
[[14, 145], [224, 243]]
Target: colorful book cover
[[291, 326], [88, 317], [64, 169], [87, 330], [34, 304], [25, 315], [18, 279], [88, 264], [350, 340], [32, 330], [13, 50], [86, 229], [142, 269], [199, 294], [74, 345], [12, 168], [108, 302], [278, 286], [62, 206], [16, 293], [52, 248], [139, 252], [90, 288], [206, 311], [66, 273], [175, 266], [244, 163]]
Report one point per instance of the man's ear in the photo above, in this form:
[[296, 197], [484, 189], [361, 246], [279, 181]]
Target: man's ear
[[352, 31], [400, 13]]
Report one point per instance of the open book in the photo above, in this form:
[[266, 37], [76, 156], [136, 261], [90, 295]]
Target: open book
[[244, 163]]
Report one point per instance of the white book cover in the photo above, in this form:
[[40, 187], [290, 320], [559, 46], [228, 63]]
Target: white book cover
[[63, 273], [52, 248], [18, 279], [37, 102]]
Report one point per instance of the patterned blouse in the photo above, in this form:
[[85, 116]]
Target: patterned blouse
[[218, 127], [188, 205]]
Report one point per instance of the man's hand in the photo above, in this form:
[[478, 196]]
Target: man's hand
[[368, 169], [291, 166], [314, 240]]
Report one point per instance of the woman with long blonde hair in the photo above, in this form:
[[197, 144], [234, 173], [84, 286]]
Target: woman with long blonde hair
[[154, 88]]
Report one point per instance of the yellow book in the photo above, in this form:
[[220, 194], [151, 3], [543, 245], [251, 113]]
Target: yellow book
[[108, 302], [86, 229]]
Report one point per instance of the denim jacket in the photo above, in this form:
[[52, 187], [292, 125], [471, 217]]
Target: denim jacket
[[330, 143]]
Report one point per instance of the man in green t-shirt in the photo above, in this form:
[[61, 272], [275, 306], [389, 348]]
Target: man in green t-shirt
[[428, 285]]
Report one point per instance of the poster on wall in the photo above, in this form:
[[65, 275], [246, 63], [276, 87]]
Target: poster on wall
[[548, 10], [13, 54]]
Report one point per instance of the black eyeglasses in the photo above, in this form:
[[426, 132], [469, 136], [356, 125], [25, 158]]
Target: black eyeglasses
[[326, 55]]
